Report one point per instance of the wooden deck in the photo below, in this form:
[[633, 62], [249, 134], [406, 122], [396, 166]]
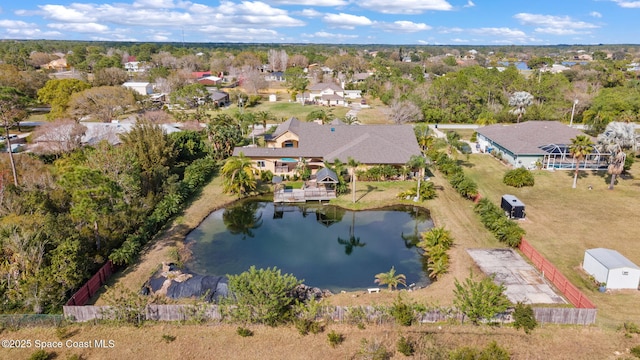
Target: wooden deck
[[302, 195]]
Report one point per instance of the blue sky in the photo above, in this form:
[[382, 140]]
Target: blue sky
[[426, 22]]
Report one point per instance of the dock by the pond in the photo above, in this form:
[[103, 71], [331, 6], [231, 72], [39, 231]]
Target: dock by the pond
[[303, 195]]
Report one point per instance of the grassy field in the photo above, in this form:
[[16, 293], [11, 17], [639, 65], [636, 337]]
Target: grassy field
[[563, 222], [153, 341]]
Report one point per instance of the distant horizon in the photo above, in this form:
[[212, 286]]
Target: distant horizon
[[335, 22], [186, 43]]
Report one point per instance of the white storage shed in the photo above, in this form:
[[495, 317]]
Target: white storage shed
[[610, 267]]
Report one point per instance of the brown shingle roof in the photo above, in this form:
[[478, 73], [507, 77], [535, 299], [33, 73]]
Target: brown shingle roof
[[527, 137], [368, 144]]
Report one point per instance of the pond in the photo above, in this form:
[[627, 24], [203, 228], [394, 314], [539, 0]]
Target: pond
[[326, 246]]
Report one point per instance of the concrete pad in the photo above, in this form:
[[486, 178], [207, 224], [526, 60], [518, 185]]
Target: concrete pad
[[522, 281]]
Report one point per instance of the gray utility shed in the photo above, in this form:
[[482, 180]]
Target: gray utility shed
[[610, 267]]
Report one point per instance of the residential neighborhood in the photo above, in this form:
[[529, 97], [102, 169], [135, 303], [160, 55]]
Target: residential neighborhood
[[128, 170]]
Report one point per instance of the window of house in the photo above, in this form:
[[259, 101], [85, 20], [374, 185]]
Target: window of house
[[261, 163]]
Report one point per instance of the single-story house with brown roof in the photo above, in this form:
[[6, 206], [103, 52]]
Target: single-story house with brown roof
[[545, 143], [370, 145]]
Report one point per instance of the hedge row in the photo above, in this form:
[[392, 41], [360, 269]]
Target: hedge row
[[196, 175], [491, 215], [494, 219]]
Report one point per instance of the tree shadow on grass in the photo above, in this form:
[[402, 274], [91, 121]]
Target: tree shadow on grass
[[370, 189]]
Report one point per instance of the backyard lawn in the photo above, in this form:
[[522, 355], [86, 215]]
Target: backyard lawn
[[563, 222]]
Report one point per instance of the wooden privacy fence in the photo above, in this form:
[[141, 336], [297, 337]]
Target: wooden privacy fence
[[370, 314], [570, 291], [90, 287]]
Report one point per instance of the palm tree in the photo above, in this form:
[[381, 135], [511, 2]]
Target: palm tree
[[616, 166], [419, 162], [391, 279], [353, 164], [581, 146], [520, 99], [238, 175], [436, 236], [353, 241]]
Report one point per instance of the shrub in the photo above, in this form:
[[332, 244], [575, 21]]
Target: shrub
[[480, 300], [405, 346], [263, 296], [635, 351], [168, 338], [306, 326], [494, 352], [335, 338], [372, 350], [266, 176], [39, 355], [402, 312], [524, 318], [518, 178], [356, 316], [244, 332], [427, 192]]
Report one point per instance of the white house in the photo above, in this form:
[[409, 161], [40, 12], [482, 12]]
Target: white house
[[328, 94], [612, 268], [143, 88]]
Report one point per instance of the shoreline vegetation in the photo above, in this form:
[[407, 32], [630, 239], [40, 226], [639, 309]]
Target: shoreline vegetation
[[369, 195]]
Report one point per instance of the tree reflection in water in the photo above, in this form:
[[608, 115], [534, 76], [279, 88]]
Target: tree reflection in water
[[353, 241], [242, 218]]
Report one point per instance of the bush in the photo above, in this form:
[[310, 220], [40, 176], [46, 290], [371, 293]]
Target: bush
[[168, 338], [335, 338], [635, 351], [372, 350], [405, 346], [402, 312], [39, 355], [244, 332], [494, 219], [263, 296], [524, 318], [518, 178], [306, 326], [427, 192], [356, 316], [494, 352]]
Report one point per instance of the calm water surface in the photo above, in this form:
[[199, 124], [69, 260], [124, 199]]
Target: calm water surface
[[326, 246]]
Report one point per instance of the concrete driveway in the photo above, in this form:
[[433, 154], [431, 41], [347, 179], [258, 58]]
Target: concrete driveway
[[522, 281]]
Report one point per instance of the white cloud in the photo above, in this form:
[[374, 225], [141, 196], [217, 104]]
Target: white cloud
[[556, 25], [502, 31], [14, 24], [66, 14], [346, 21], [154, 4], [403, 26], [405, 6], [628, 4], [311, 13], [309, 2], [469, 4], [595, 14], [81, 28], [328, 35], [450, 30], [458, 40]]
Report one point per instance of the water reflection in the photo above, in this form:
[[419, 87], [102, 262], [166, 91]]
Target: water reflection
[[327, 246]]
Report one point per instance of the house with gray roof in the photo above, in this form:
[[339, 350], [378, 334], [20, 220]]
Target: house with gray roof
[[544, 143], [316, 144], [328, 94]]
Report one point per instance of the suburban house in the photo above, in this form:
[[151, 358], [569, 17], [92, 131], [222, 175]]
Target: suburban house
[[220, 98], [295, 142], [534, 144], [210, 80], [275, 76], [328, 94], [143, 88]]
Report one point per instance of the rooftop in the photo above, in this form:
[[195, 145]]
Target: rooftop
[[526, 138], [611, 259]]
